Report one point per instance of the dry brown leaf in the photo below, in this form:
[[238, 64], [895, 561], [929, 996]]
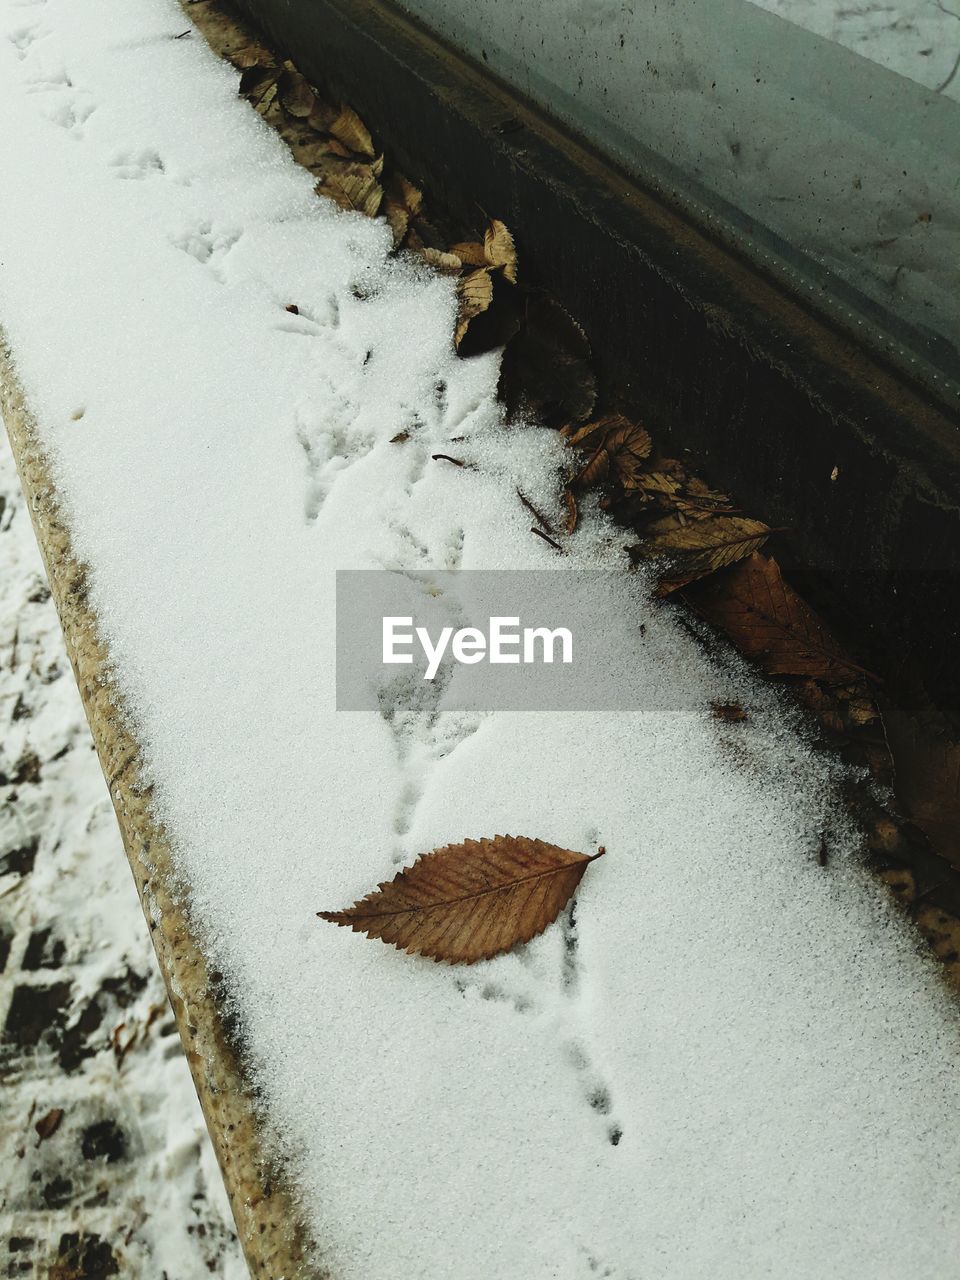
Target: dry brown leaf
[[629, 446], [398, 220], [657, 482], [573, 514], [470, 901], [846, 709], [728, 712], [403, 203], [471, 253], [48, 1124], [616, 446], [410, 197], [587, 436], [268, 100], [770, 623], [321, 117], [256, 80], [500, 250], [254, 55], [448, 263], [594, 471], [312, 153], [700, 547], [697, 494], [349, 129], [353, 187], [476, 294], [296, 96]]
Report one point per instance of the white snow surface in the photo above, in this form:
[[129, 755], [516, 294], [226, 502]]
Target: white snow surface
[[731, 1062]]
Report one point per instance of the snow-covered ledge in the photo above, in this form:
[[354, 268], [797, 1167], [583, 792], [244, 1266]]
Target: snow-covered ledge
[[734, 1061], [267, 1221]]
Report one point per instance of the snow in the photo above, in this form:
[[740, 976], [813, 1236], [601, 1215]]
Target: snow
[[914, 38], [729, 1060], [148, 1188]]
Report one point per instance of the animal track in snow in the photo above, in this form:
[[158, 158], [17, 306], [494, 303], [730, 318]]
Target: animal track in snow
[[440, 396], [595, 1089], [23, 38], [452, 551], [137, 165], [208, 244], [70, 112], [300, 324], [309, 322], [411, 554], [602, 1270], [493, 991], [330, 444], [422, 736], [416, 457], [550, 981], [411, 551], [49, 82]]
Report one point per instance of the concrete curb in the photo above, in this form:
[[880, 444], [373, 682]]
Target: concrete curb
[[268, 1221]]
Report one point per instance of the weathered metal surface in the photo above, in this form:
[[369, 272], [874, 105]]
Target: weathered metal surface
[[267, 1219]]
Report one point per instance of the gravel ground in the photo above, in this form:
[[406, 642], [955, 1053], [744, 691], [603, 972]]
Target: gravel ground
[[105, 1164]]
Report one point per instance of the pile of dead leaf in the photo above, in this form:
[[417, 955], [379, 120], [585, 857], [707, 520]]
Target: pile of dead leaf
[[703, 547], [546, 368]]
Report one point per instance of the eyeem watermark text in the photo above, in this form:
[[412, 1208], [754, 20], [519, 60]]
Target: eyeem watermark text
[[429, 641], [502, 643]]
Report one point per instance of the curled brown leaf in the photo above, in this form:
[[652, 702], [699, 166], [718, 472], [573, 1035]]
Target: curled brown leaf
[[448, 263], [476, 293], [616, 448], [296, 96], [770, 623], [570, 502], [354, 186], [471, 253], [697, 548], [349, 129], [500, 250]]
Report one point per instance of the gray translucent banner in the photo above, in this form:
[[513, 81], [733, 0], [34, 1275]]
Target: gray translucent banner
[[521, 640]]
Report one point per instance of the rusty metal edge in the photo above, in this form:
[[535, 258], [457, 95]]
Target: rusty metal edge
[[269, 1223]]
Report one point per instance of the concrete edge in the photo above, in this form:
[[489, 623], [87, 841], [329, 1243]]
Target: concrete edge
[[269, 1223]]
